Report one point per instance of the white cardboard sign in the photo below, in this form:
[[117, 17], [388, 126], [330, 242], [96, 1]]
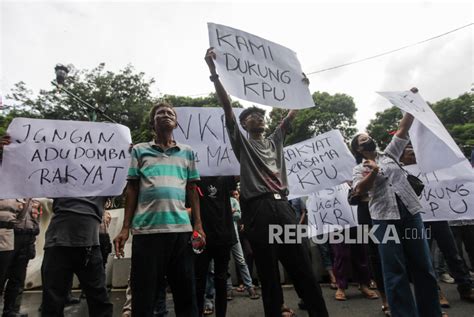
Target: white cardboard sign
[[448, 193], [205, 131], [329, 210], [56, 158], [321, 162], [428, 135], [258, 70]]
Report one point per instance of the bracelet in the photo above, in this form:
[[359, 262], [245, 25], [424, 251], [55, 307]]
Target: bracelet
[[213, 77]]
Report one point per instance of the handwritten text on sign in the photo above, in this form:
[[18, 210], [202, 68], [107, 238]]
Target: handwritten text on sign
[[427, 133], [329, 210], [257, 70], [55, 158], [448, 193], [321, 162], [205, 131]]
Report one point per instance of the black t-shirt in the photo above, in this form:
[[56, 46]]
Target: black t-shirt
[[216, 212], [75, 222]]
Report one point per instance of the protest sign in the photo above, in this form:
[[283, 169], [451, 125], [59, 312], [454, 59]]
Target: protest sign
[[205, 131], [257, 70], [321, 162], [448, 193], [428, 135], [329, 210], [56, 158]]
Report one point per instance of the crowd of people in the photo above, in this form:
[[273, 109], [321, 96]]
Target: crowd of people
[[185, 228]]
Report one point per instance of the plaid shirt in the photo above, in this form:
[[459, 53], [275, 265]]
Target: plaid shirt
[[391, 180]]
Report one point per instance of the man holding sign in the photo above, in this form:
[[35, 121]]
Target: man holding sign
[[264, 189]]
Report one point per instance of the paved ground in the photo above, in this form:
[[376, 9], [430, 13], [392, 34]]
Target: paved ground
[[241, 306]]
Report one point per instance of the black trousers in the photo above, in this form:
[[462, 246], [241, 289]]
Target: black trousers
[[258, 214], [16, 274], [441, 232], [465, 235], [155, 256], [59, 265], [363, 217], [221, 255]]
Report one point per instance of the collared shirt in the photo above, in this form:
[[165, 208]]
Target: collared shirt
[[262, 163], [162, 175], [391, 180]]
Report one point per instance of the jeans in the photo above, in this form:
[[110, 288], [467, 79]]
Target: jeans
[[59, 265], [210, 288], [412, 251], [155, 256], [239, 259]]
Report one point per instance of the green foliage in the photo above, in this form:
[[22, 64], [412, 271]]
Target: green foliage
[[124, 96], [384, 123], [331, 112], [457, 115]]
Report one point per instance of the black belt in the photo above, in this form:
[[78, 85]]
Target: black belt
[[7, 224], [271, 196]]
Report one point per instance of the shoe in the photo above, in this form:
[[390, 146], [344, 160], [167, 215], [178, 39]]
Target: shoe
[[443, 301], [467, 295], [72, 300], [446, 278], [230, 295], [302, 305], [253, 294]]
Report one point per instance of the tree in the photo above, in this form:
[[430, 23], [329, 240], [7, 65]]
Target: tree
[[124, 96], [382, 127], [331, 112], [457, 115]]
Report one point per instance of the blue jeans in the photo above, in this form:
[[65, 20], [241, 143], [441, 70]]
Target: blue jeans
[[411, 253], [239, 259]]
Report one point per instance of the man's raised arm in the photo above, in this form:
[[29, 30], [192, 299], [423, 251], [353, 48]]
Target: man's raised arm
[[220, 90]]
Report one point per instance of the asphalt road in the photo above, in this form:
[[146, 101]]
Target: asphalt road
[[355, 306]]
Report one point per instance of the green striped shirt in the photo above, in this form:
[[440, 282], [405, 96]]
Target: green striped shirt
[[163, 176]]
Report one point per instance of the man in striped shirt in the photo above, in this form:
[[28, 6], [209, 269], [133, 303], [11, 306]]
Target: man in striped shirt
[[161, 176]]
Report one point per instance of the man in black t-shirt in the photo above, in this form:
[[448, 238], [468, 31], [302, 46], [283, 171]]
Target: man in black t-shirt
[[72, 247], [216, 216]]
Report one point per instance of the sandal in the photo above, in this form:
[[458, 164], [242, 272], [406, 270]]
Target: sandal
[[386, 311], [369, 294], [240, 288], [333, 286], [208, 311], [287, 311], [340, 295]]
